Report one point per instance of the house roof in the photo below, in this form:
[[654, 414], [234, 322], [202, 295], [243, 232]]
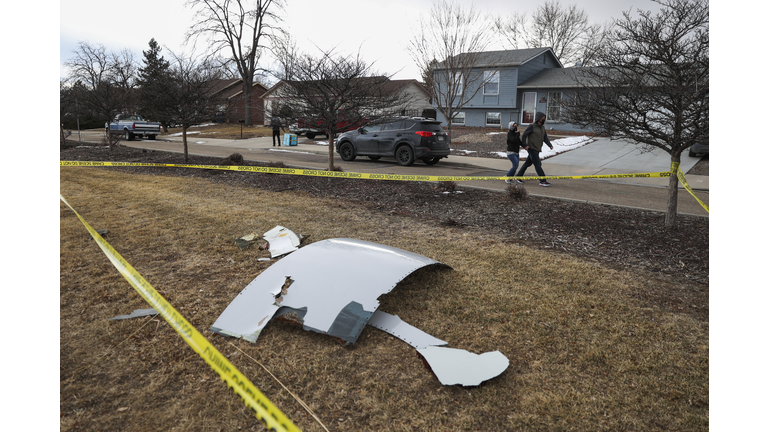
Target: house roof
[[560, 78], [510, 58], [390, 85], [226, 86], [240, 89]]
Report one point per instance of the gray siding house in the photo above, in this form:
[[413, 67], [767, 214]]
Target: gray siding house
[[524, 82]]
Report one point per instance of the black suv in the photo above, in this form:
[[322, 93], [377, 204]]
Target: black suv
[[405, 139]]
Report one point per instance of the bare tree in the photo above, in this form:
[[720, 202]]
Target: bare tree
[[106, 78], [564, 29], [237, 29], [191, 93], [653, 87], [333, 92], [447, 49]]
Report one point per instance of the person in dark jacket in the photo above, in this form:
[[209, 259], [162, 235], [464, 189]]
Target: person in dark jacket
[[276, 126], [513, 150], [534, 138]]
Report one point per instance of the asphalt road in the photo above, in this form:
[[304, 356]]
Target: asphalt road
[[600, 157]]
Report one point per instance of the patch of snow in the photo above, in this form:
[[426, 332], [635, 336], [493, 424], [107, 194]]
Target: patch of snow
[[289, 151]]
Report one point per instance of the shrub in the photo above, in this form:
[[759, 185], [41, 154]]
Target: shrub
[[447, 186], [517, 192]]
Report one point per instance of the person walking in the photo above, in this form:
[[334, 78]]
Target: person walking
[[513, 151], [534, 138], [276, 126]]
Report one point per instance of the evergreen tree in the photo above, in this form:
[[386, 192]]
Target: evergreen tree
[[153, 80]]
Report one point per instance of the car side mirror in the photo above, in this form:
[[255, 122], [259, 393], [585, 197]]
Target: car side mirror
[[360, 130]]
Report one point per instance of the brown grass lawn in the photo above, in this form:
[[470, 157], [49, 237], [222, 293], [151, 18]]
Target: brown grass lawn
[[584, 354], [225, 131]]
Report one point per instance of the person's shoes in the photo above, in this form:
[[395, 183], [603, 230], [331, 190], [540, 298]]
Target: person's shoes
[[545, 183], [520, 181], [509, 181]]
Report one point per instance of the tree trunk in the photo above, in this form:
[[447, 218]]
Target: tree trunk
[[247, 87], [108, 135], [330, 151], [184, 140], [670, 221], [63, 135]]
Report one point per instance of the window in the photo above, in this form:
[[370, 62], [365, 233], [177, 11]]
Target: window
[[553, 106], [458, 83], [491, 80], [395, 125], [458, 119], [493, 119]]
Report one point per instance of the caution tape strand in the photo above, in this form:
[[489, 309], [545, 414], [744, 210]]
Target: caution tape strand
[[269, 415], [369, 176]]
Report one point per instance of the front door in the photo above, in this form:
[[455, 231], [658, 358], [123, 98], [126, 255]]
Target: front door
[[529, 107]]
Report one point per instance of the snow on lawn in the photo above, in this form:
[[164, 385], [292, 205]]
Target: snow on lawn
[[561, 145], [189, 132]]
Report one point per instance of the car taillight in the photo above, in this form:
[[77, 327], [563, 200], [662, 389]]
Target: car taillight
[[133, 126], [424, 134]]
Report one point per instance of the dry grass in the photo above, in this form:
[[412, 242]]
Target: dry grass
[[584, 353], [226, 131]]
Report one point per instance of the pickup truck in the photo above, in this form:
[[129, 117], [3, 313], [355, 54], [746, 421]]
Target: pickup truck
[[133, 125], [303, 127]]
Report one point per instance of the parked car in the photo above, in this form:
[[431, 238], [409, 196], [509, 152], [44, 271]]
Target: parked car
[[133, 125], [303, 127], [405, 139], [698, 150]]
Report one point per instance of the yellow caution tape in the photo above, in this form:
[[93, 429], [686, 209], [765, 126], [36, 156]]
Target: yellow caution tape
[[342, 174], [269, 415], [400, 177], [681, 178]]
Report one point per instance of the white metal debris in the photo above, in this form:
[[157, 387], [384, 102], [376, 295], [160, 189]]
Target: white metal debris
[[457, 366], [334, 287]]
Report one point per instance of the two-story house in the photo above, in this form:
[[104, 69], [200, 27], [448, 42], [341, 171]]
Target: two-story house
[[515, 85]]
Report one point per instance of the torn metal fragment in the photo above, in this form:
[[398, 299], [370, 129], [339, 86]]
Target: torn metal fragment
[[246, 240], [400, 329], [457, 366], [335, 288], [281, 240], [136, 314]]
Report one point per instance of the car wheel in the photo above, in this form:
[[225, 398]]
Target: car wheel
[[128, 136], [347, 152], [310, 135], [374, 158], [430, 160], [404, 155]]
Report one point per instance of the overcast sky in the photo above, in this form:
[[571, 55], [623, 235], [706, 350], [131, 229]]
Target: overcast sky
[[379, 28]]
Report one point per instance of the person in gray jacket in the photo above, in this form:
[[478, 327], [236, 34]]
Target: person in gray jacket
[[276, 126], [534, 138]]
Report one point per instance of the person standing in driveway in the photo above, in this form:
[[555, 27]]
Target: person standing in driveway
[[513, 151], [276, 126], [534, 138]]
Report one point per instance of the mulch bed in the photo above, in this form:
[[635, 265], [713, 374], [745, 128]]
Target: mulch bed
[[616, 237]]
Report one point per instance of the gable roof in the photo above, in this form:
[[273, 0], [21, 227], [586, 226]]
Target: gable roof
[[391, 85], [508, 58], [226, 87], [240, 88], [560, 78]]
